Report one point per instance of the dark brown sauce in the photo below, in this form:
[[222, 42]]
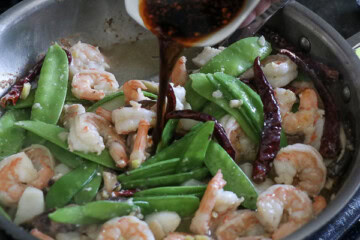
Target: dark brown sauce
[[179, 24]]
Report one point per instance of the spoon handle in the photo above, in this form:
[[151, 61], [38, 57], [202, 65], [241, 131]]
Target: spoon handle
[[259, 21]]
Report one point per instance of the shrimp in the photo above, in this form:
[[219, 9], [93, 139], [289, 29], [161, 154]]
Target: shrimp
[[16, 171], [85, 57], [238, 224], [126, 228], [44, 164], [278, 200], [309, 120], [185, 236], [259, 187], [40, 235], [286, 99], [303, 162], [87, 134], [104, 113], [138, 156], [319, 204], [127, 119], [133, 91], [214, 199], [70, 112], [245, 149], [93, 85], [179, 75], [278, 69]]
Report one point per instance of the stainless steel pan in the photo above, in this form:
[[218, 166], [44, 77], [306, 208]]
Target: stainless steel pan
[[30, 27]]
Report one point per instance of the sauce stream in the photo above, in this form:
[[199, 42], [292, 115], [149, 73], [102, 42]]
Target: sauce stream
[[179, 24]]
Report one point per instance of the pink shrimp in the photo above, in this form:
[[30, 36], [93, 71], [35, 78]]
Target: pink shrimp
[[138, 154], [237, 224], [185, 236], [179, 75], [93, 85], [40, 235], [319, 204], [104, 113], [280, 200], [133, 91], [126, 228], [200, 224]]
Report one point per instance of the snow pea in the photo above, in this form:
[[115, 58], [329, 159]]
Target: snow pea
[[89, 191], [52, 86], [238, 57], [169, 180], [24, 103], [167, 134], [4, 214], [175, 150], [205, 88], [94, 212], [196, 101], [236, 180], [68, 185], [52, 133], [185, 206], [232, 88], [214, 110], [196, 150], [69, 159], [152, 170], [12, 137], [178, 190]]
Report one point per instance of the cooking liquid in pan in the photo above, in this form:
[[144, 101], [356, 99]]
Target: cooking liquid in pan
[[179, 24]]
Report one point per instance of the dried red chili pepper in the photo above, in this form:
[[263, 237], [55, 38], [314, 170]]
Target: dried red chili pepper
[[15, 91], [270, 136], [124, 193], [219, 131], [330, 140]]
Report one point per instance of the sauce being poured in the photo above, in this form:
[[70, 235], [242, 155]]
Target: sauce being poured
[[179, 24]]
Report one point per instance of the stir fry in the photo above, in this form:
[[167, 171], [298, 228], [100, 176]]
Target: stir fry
[[244, 151]]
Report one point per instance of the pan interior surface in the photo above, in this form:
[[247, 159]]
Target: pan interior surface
[[27, 30]]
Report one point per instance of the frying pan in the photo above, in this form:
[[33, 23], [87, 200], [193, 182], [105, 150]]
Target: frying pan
[[30, 27]]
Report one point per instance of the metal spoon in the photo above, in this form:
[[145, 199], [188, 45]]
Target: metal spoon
[[255, 26]]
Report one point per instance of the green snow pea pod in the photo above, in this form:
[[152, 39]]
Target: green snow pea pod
[[236, 180], [179, 190], [67, 186], [169, 180], [24, 103], [4, 214], [185, 206], [68, 158], [94, 212], [52, 86], [115, 99], [196, 101], [196, 150], [11, 136], [53, 133], [152, 170], [175, 150], [214, 110], [89, 191], [238, 57], [167, 134], [204, 87], [232, 89]]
